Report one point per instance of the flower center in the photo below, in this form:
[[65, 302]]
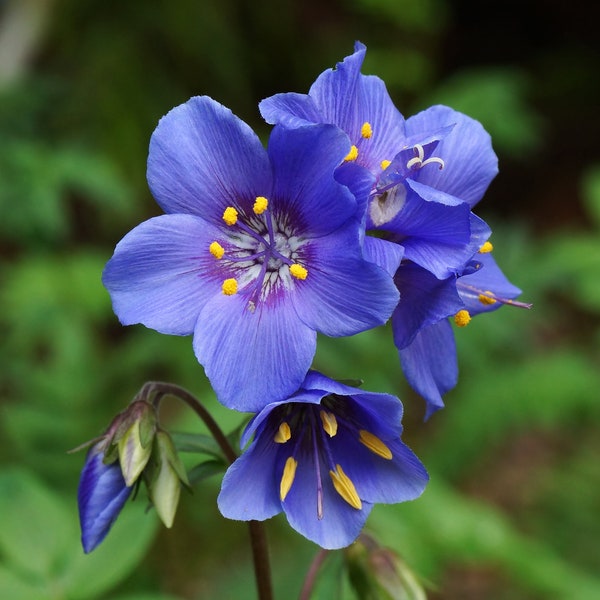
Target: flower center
[[259, 255], [310, 433]]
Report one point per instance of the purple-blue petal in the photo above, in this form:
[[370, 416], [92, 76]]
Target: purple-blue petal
[[470, 162], [290, 110], [203, 158], [430, 364], [253, 358], [101, 496], [162, 273]]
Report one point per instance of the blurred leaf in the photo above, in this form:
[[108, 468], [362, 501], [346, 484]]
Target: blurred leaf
[[498, 99], [591, 193], [206, 469], [13, 587], [198, 443], [36, 528]]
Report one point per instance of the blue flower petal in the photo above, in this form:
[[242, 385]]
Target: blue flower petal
[[162, 273], [430, 364], [290, 110], [387, 255], [203, 158], [322, 301], [304, 161], [249, 490], [424, 300], [470, 162], [255, 357], [101, 496]]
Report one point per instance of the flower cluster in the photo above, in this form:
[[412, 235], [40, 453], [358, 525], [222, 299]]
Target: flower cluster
[[352, 216]]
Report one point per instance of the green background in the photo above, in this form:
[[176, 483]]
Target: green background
[[512, 512]]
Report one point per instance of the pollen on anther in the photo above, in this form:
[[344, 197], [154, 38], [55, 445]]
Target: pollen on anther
[[283, 434], [487, 298], [216, 250], [329, 423], [487, 247], [374, 444], [366, 130], [352, 155], [229, 287], [298, 271], [384, 164], [230, 215], [260, 205], [462, 318], [287, 479], [345, 488]]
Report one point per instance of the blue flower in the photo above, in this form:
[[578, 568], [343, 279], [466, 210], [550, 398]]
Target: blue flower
[[427, 171], [422, 330], [101, 495], [249, 258], [323, 456]]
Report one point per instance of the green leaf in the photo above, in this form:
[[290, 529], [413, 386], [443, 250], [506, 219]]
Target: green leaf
[[36, 528], [204, 470], [198, 443], [14, 587]]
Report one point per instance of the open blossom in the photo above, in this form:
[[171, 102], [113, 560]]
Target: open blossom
[[427, 171], [258, 251], [323, 456]]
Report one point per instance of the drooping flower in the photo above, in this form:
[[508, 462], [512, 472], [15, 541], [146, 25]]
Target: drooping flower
[[422, 322], [427, 171], [324, 457], [259, 251], [101, 496]]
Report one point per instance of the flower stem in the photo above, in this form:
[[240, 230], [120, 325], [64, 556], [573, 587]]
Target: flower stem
[[311, 576], [258, 538]]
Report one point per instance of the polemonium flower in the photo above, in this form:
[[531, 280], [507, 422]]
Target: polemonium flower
[[259, 250], [101, 495], [423, 322], [324, 457], [427, 171]]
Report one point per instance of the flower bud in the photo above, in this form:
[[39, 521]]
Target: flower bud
[[101, 495], [376, 571], [133, 438], [164, 475]]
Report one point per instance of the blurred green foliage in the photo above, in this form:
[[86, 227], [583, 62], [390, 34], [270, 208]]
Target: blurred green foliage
[[512, 510]]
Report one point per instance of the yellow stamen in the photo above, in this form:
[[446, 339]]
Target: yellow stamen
[[230, 215], [366, 130], [260, 205], [344, 487], [385, 164], [487, 247], [229, 287], [289, 472], [329, 423], [283, 434], [462, 318], [352, 155], [298, 271], [374, 444], [487, 298], [216, 250]]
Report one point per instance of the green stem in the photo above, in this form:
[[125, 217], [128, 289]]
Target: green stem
[[258, 538]]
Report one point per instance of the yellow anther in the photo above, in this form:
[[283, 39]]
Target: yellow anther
[[487, 247], [216, 250], [487, 298], [366, 130], [229, 287], [260, 205], [230, 215], [384, 164], [345, 488], [352, 155], [283, 434], [329, 423], [298, 271], [462, 318], [289, 472], [374, 444]]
